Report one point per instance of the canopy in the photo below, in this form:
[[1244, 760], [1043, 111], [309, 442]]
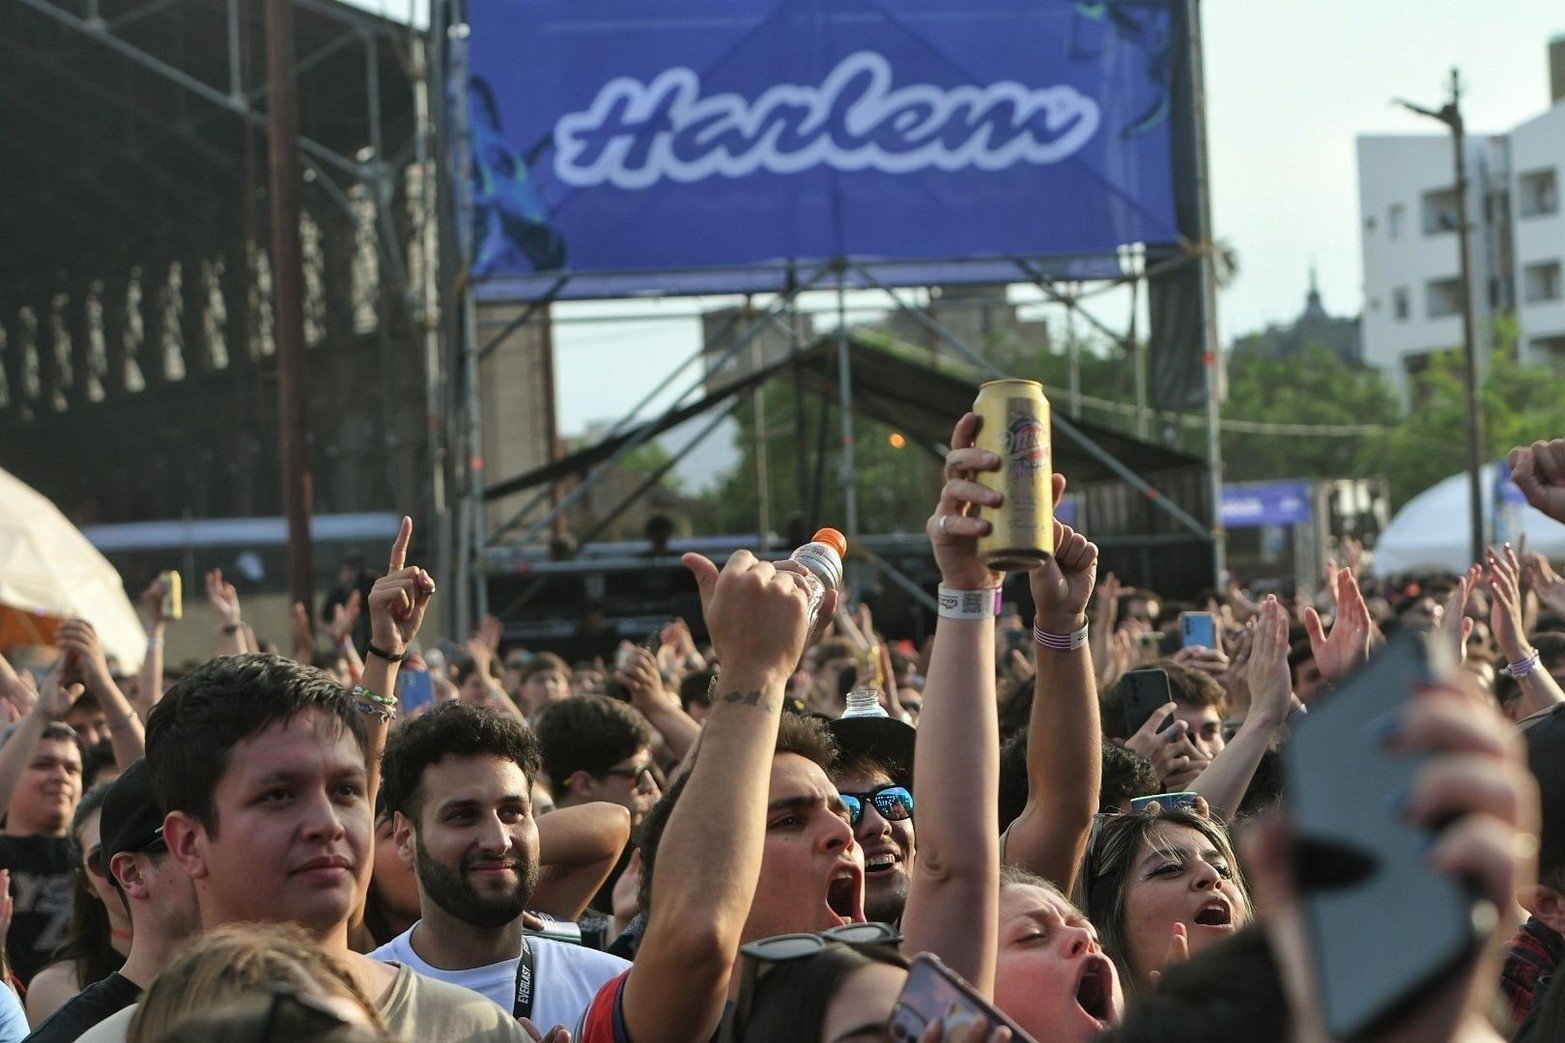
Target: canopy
[[1430, 532], [49, 572]]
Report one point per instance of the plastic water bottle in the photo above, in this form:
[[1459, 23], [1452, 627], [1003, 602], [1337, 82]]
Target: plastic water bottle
[[864, 702], [822, 561]]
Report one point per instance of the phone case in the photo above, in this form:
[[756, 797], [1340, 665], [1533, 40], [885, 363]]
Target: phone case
[[934, 992], [1198, 629], [1383, 923], [1145, 691]]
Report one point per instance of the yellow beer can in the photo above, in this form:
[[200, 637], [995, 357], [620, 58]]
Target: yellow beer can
[[1014, 425]]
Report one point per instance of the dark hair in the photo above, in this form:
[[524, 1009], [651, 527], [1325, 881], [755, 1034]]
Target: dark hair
[[223, 702], [1188, 687], [695, 689], [590, 733], [452, 729], [1108, 868], [59, 731], [1126, 775], [791, 998], [806, 736], [89, 943], [542, 663], [1550, 646], [1013, 778], [1230, 993]]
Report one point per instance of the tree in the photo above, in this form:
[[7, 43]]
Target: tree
[[1312, 388]]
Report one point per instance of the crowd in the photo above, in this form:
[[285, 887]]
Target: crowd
[[795, 831]]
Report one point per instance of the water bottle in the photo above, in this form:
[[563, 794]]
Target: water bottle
[[864, 702], [822, 561]]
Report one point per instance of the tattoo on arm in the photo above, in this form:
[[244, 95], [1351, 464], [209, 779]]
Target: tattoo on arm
[[751, 698]]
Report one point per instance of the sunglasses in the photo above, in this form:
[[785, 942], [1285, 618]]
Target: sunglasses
[[643, 775], [784, 947], [894, 803]]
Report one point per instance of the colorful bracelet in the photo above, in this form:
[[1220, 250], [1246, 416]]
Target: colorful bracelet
[[364, 693], [371, 710], [1522, 667], [1060, 642]]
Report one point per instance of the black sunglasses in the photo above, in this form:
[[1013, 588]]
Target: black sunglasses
[[641, 775], [291, 1014], [784, 947], [894, 803]]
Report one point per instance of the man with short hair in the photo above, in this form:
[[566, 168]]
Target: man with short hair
[[458, 782], [159, 897], [874, 775], [597, 748], [40, 783], [1183, 749], [545, 679]]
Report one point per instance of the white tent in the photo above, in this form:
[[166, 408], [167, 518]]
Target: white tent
[[49, 572], [1430, 532]]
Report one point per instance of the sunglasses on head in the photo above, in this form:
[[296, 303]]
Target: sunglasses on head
[[894, 803], [292, 1014], [640, 774], [784, 947]]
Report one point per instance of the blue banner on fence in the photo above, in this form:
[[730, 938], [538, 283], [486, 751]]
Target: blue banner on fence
[[620, 136], [1274, 503]]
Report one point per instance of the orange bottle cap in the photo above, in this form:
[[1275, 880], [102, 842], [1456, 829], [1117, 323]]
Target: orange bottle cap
[[833, 539]]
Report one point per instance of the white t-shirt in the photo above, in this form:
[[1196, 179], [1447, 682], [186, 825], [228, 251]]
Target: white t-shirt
[[567, 976]]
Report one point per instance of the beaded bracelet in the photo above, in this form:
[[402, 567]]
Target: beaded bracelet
[[371, 710], [1522, 667], [364, 693]]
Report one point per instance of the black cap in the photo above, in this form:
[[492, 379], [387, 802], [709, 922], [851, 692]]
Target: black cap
[[886, 739], [131, 819], [1545, 735]]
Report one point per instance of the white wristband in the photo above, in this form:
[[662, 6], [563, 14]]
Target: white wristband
[[969, 604], [1060, 642]]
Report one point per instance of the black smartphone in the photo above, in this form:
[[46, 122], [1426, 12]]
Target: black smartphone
[[934, 992], [1384, 925], [1145, 691]]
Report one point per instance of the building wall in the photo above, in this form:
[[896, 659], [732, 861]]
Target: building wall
[[1538, 165], [1409, 254]]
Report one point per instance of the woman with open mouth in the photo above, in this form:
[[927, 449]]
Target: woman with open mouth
[[1160, 887], [1052, 976]]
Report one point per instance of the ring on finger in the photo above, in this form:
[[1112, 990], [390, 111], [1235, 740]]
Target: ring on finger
[[942, 523]]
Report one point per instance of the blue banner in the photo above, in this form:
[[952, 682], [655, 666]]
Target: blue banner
[[618, 136], [1274, 503]]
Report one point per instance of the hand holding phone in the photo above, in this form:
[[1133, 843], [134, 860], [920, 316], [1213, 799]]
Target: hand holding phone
[[935, 995], [1198, 630], [1144, 692]]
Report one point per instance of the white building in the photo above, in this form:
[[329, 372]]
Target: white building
[[1538, 158], [1412, 267], [1408, 222]]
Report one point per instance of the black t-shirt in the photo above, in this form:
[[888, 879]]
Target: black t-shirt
[[92, 1005], [41, 878]]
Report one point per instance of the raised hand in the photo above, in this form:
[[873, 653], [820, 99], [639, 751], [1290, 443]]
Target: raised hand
[[756, 614], [1352, 631], [1270, 682], [953, 535], [1062, 586], [1545, 582], [489, 632], [55, 699], [1505, 611], [1539, 472], [151, 602], [1213, 662], [343, 617], [83, 648], [1455, 625], [224, 598], [303, 629], [399, 599]]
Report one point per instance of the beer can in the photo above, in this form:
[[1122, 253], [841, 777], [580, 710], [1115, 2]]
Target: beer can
[[1014, 425]]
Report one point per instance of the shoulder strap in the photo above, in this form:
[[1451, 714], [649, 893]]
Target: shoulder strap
[[525, 975]]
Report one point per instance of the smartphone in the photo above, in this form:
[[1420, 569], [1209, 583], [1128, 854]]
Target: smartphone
[[1384, 926], [173, 595], [1185, 799], [1197, 629], [1145, 690], [934, 992], [415, 690]]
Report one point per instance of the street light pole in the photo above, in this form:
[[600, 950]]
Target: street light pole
[[1451, 115]]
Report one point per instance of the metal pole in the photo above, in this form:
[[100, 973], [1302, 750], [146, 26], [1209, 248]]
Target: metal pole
[[429, 310], [1469, 327], [284, 186], [1212, 346], [763, 497], [471, 594], [850, 496], [1073, 352]]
